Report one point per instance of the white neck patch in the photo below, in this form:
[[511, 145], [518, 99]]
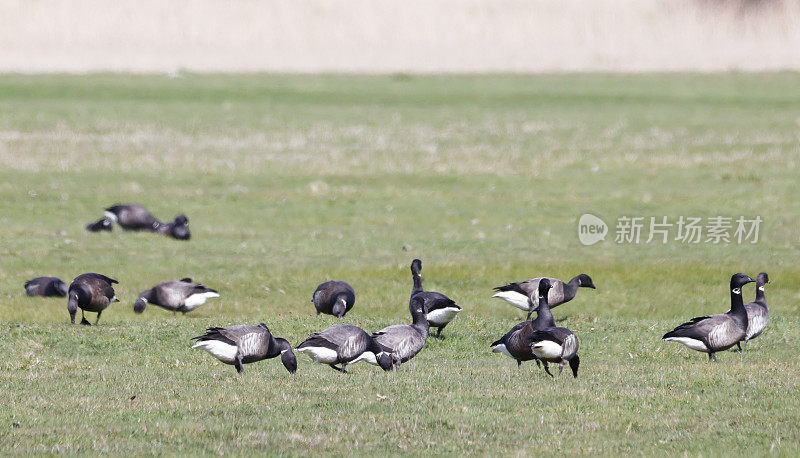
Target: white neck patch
[[736, 291], [761, 288]]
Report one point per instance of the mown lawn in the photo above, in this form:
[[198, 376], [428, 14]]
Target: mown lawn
[[291, 180]]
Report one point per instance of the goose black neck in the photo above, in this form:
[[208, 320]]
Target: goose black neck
[[544, 318], [737, 306], [416, 277], [571, 288], [279, 345], [761, 299]]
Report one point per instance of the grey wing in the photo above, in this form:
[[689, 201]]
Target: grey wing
[[554, 297], [722, 331], [757, 319], [352, 347], [250, 340], [398, 339], [171, 293], [570, 346]]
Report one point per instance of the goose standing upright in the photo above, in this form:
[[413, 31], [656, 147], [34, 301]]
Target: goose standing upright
[[244, 344], [132, 217], [516, 343], [178, 296], [46, 286], [404, 341], [757, 313], [553, 344], [334, 298], [344, 344], [90, 292], [440, 310], [713, 333], [523, 295]]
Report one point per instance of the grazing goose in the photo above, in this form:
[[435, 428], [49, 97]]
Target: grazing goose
[[757, 313], [713, 333], [132, 217], [440, 310], [46, 286], [334, 298], [177, 229], [100, 225], [517, 342], [404, 341], [523, 294], [244, 344], [344, 344], [92, 293], [179, 296]]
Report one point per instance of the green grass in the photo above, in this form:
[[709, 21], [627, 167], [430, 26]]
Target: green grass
[[292, 180]]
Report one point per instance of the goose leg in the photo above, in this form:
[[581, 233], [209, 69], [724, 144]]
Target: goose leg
[[439, 331], [739, 347], [238, 364], [547, 369], [340, 369], [712, 356], [538, 363], [98, 317], [84, 321], [519, 364], [529, 314]]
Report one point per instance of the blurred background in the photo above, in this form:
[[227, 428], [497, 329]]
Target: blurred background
[[387, 36]]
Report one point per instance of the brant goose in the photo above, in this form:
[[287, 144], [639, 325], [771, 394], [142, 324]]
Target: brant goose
[[344, 344], [178, 296], [100, 225], [177, 229], [517, 342], [440, 310], [92, 293], [713, 333], [244, 344], [334, 298], [523, 295], [46, 286], [757, 313], [556, 345], [404, 341], [132, 217]]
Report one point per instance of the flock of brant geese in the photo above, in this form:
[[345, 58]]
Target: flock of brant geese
[[341, 345]]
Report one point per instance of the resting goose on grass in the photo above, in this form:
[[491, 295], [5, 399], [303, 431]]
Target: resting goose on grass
[[404, 341], [757, 313], [178, 296], [523, 295], [91, 293], [334, 298], [132, 217], [440, 310], [517, 342], [713, 333], [244, 344], [46, 286], [344, 344]]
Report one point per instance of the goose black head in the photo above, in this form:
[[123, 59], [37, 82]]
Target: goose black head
[[179, 228], [544, 288], [416, 266], [738, 280], [585, 281], [140, 304], [72, 305], [288, 358], [340, 307], [763, 278], [416, 305], [385, 360]]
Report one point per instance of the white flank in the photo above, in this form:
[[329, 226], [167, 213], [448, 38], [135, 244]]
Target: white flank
[[443, 316], [111, 216], [320, 354], [368, 357], [220, 350], [196, 300], [694, 344], [514, 298], [547, 349], [501, 348]]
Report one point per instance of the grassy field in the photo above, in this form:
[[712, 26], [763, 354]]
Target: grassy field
[[292, 180]]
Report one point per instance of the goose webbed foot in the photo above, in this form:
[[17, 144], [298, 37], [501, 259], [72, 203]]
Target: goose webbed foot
[[340, 369], [85, 322]]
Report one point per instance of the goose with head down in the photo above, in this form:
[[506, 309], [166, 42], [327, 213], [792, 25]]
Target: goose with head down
[[344, 344], [334, 298], [244, 344], [175, 295], [90, 292]]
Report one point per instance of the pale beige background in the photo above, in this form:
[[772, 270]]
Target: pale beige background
[[398, 36]]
